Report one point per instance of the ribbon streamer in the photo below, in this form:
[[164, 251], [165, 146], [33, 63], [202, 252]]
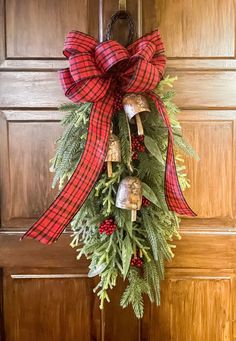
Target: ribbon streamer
[[97, 71]]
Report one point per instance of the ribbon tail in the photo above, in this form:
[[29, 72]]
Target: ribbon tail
[[174, 196], [53, 222]]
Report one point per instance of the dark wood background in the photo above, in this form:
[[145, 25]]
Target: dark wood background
[[45, 292]]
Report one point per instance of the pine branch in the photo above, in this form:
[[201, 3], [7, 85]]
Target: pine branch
[[151, 234], [125, 140], [71, 144], [151, 275], [107, 187], [134, 293], [185, 146]]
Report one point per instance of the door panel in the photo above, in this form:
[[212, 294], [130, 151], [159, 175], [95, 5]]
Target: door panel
[[211, 138], [45, 27], [194, 28], [46, 306], [202, 22], [45, 294], [26, 182], [190, 299]]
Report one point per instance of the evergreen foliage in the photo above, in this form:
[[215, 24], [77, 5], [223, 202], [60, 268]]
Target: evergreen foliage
[[152, 234]]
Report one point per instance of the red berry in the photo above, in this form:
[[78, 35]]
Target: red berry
[[118, 105], [145, 202], [137, 142], [136, 261], [107, 226], [135, 156]]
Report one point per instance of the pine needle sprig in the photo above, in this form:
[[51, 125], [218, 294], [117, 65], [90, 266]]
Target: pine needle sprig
[[125, 140], [153, 278], [107, 187], [71, 144], [134, 292]]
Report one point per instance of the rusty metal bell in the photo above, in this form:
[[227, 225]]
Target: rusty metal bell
[[113, 153], [129, 195], [134, 104]]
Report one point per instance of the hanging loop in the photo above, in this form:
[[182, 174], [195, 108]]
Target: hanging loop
[[123, 15]]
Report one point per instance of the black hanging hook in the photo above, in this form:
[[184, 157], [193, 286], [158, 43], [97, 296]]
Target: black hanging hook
[[121, 15]]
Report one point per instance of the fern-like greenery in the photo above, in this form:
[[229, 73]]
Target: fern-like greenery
[[72, 142], [151, 236]]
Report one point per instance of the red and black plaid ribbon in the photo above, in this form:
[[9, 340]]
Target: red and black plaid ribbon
[[94, 72]]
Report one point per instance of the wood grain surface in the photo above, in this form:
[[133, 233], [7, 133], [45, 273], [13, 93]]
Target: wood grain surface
[[45, 28], [189, 298], [56, 299], [196, 28]]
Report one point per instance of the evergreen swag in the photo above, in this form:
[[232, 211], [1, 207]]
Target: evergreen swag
[[104, 233]]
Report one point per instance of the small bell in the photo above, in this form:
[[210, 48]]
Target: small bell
[[113, 153], [129, 195], [134, 104]]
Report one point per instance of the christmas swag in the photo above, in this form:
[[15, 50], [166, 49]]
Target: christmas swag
[[124, 188]]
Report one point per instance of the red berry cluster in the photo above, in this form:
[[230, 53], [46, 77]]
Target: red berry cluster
[[145, 202], [137, 142], [118, 105], [136, 261], [107, 226]]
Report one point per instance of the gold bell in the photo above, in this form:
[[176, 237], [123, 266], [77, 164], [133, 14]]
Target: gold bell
[[134, 104], [129, 195], [113, 153]]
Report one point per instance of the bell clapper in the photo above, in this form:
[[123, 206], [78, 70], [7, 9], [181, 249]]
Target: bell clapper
[[134, 105], [139, 124], [109, 169], [133, 215], [113, 153]]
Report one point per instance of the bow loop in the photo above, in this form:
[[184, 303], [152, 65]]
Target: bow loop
[[66, 79], [83, 91], [109, 54], [140, 77], [78, 42], [144, 50], [83, 66], [153, 37]]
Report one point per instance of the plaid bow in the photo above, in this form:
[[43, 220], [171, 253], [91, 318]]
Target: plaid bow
[[96, 70]]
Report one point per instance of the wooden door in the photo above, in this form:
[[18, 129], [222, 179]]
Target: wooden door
[[45, 292]]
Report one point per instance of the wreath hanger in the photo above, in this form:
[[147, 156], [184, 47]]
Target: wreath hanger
[[121, 14]]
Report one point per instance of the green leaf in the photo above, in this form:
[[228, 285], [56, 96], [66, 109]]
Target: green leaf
[[162, 201], [149, 194], [153, 148], [129, 225], [126, 255]]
